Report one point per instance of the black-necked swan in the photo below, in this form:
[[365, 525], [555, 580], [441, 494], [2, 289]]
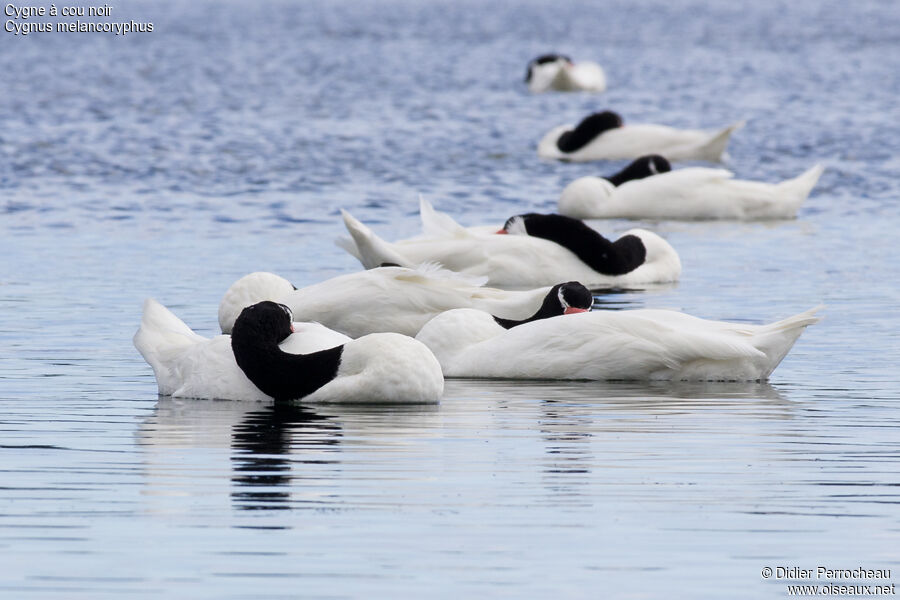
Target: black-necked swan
[[558, 72], [692, 193], [382, 299], [552, 248], [641, 344], [314, 363], [604, 136], [376, 368], [188, 365]]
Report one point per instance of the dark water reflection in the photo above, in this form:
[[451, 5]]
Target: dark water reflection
[[281, 453], [268, 443]]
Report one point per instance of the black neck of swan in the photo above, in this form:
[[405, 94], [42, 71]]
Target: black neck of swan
[[540, 314], [609, 258], [576, 295], [640, 168], [277, 373], [589, 128]]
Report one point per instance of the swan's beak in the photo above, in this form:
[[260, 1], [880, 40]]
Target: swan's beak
[[572, 310], [501, 232]]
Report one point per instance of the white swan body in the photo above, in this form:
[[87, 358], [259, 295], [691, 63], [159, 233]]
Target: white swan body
[[382, 299], [691, 193], [611, 345], [633, 141], [188, 365], [384, 368], [564, 76], [513, 261]]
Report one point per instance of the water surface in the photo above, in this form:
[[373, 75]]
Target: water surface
[[170, 164]]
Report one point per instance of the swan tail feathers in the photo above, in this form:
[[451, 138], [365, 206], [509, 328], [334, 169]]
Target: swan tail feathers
[[371, 250], [438, 224], [797, 190], [713, 150], [161, 338], [795, 322], [347, 244], [777, 339]]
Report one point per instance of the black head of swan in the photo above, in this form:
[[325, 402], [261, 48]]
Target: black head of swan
[[645, 166], [254, 339], [589, 128], [562, 299]]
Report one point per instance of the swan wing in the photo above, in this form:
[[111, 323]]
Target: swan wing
[[602, 345]]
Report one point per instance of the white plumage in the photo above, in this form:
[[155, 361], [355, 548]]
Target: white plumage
[[375, 369], [512, 261], [188, 365], [382, 299], [563, 76], [383, 368], [611, 345], [690, 193], [633, 141]]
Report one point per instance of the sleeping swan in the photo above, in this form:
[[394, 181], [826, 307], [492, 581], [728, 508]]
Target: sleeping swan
[[273, 358], [382, 299], [649, 189], [641, 344], [604, 136], [541, 250], [558, 72]]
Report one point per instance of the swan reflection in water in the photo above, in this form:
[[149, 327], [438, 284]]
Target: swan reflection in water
[[268, 456], [589, 426], [205, 456], [215, 450], [268, 443]]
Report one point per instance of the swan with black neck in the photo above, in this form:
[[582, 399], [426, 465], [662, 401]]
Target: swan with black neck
[[383, 299], [377, 368], [641, 344], [557, 72], [313, 363], [548, 248], [605, 136], [646, 190], [188, 365]]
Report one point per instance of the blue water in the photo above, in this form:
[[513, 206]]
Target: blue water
[[171, 163]]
